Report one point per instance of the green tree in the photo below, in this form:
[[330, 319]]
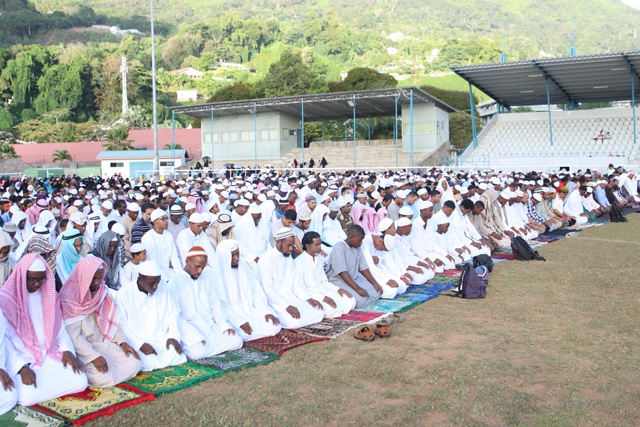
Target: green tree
[[23, 72], [176, 146], [7, 152], [233, 92], [117, 139], [6, 120], [288, 76], [61, 156], [137, 118], [364, 78]]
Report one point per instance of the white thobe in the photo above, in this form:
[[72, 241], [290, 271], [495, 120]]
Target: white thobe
[[186, 240], [175, 229], [276, 275], [161, 248], [8, 399], [467, 233], [310, 273], [253, 240], [423, 244], [574, 208], [404, 253], [201, 316], [52, 378], [383, 271], [150, 319], [129, 273]]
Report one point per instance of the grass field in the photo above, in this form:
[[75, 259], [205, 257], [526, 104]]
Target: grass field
[[555, 343]]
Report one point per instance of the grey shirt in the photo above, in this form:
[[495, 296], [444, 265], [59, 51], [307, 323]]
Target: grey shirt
[[344, 258]]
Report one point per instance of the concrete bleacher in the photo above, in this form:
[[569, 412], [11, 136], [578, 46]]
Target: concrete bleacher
[[523, 139]]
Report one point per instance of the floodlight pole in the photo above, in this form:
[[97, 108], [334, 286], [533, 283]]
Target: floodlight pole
[[212, 145], [411, 129], [395, 127], [546, 79], [354, 133], [473, 117], [173, 141], [156, 154], [255, 132], [633, 107], [322, 133], [302, 130]]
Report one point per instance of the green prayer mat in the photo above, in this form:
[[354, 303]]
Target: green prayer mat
[[390, 305], [172, 378], [22, 416], [237, 359], [441, 278]]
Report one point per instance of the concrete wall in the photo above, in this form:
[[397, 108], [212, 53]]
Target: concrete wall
[[430, 127]]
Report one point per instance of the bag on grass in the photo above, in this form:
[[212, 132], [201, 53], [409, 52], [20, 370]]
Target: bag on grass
[[470, 285], [484, 260], [615, 213], [522, 251]]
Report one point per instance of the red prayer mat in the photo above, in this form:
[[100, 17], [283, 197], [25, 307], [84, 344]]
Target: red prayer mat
[[452, 273], [285, 340], [94, 402], [362, 316]]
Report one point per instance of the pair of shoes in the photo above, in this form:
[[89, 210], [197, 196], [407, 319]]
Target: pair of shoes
[[368, 334]]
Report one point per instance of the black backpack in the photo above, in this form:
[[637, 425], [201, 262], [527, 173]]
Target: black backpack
[[615, 214], [522, 251], [470, 286], [484, 260]]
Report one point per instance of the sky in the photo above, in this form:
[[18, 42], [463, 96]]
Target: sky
[[633, 3]]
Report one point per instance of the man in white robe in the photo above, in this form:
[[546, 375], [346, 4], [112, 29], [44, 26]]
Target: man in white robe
[[160, 245], [466, 232], [423, 240], [293, 305], [418, 271], [244, 303], [8, 390], [204, 330], [175, 221], [310, 273], [384, 267], [573, 205], [149, 317], [194, 236], [251, 232], [40, 354]]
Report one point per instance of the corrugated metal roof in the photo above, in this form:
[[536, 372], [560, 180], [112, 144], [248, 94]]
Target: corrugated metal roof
[[139, 154], [589, 78]]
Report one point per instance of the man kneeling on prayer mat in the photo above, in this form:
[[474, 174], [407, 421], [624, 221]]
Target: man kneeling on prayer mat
[[243, 300], [204, 330], [41, 357], [349, 269], [90, 318], [310, 272], [149, 318], [8, 390], [293, 305]]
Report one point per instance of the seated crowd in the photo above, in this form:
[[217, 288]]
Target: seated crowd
[[104, 278]]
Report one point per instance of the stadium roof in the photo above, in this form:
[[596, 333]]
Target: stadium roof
[[325, 106], [592, 78]]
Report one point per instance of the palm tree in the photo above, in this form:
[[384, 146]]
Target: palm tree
[[61, 156], [176, 146], [117, 140], [8, 152]]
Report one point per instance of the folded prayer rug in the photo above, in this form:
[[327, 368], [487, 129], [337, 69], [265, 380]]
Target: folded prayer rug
[[172, 378], [330, 328], [283, 341], [23, 416], [92, 403], [362, 316], [237, 359]]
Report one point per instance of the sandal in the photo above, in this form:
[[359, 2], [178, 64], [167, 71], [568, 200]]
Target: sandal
[[383, 331], [364, 334], [390, 320]]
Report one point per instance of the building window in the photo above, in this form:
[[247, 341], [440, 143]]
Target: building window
[[273, 134], [285, 134], [116, 165], [247, 135], [166, 163], [264, 135]]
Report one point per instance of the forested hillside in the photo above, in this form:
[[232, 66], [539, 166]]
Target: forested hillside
[[60, 61]]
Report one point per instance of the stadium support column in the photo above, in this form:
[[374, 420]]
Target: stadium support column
[[369, 129], [411, 129], [633, 108], [156, 154], [345, 134], [395, 128], [173, 142], [302, 129], [322, 133], [473, 117], [255, 135], [213, 159], [546, 79]]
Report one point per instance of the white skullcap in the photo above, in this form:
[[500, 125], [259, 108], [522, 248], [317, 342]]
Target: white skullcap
[[342, 201], [189, 206], [538, 197], [255, 209], [78, 218], [133, 207], [385, 224], [440, 218], [37, 265], [403, 222], [518, 193], [242, 202], [589, 189], [506, 194], [138, 196], [333, 207], [119, 229], [389, 242], [262, 197], [423, 204], [284, 232], [150, 269], [422, 191], [158, 213], [208, 217], [107, 204], [196, 218], [77, 202], [405, 210], [196, 251], [544, 189], [136, 247], [40, 229], [402, 194], [483, 186]]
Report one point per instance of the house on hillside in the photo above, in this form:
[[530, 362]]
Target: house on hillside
[[188, 71], [186, 95]]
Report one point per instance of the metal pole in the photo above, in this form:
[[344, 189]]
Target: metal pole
[[473, 117], [156, 154], [549, 110], [302, 107], [354, 132], [322, 133], [395, 128], [212, 143], [345, 134], [369, 129], [173, 141], [255, 134], [633, 108], [411, 129]]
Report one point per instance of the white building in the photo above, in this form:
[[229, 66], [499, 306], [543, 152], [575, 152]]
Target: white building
[[137, 163]]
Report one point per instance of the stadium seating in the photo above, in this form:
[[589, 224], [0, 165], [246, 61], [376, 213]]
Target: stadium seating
[[523, 139]]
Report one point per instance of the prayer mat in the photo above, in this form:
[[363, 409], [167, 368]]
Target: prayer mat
[[361, 316], [172, 378], [503, 251], [507, 257], [23, 416], [443, 286], [283, 341], [395, 305], [421, 294], [237, 359], [441, 278], [452, 273], [92, 403], [330, 328]]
